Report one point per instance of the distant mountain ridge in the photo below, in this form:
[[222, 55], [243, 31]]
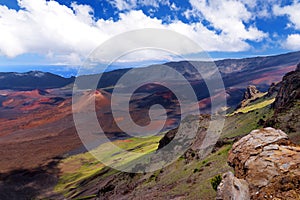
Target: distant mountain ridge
[[32, 80], [242, 72], [261, 71]]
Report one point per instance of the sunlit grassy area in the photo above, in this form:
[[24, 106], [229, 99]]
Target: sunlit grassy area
[[243, 123], [83, 166], [134, 148], [254, 106]]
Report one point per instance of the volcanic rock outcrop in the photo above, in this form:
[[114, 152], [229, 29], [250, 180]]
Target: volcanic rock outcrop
[[196, 148], [251, 94], [286, 106], [274, 89], [289, 91], [270, 164]]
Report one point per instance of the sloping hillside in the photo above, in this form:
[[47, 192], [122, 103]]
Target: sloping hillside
[[187, 178]]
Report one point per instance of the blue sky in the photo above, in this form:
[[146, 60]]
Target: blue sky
[[59, 35]]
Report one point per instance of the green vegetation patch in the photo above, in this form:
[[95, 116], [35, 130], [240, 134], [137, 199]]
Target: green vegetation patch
[[81, 167], [254, 106], [215, 182], [241, 124], [191, 180]]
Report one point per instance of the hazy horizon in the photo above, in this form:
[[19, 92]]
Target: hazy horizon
[[69, 71]]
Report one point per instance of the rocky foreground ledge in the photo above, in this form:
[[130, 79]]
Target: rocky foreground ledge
[[266, 166]]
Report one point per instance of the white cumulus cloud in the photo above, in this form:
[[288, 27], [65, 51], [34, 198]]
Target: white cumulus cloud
[[292, 42], [46, 26], [229, 17], [133, 4], [68, 34], [292, 11]]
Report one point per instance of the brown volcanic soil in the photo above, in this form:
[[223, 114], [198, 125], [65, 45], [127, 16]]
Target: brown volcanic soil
[[35, 128], [36, 131]]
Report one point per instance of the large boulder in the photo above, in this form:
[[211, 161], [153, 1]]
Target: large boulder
[[269, 162]]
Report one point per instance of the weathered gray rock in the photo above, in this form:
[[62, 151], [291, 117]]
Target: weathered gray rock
[[232, 188]]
